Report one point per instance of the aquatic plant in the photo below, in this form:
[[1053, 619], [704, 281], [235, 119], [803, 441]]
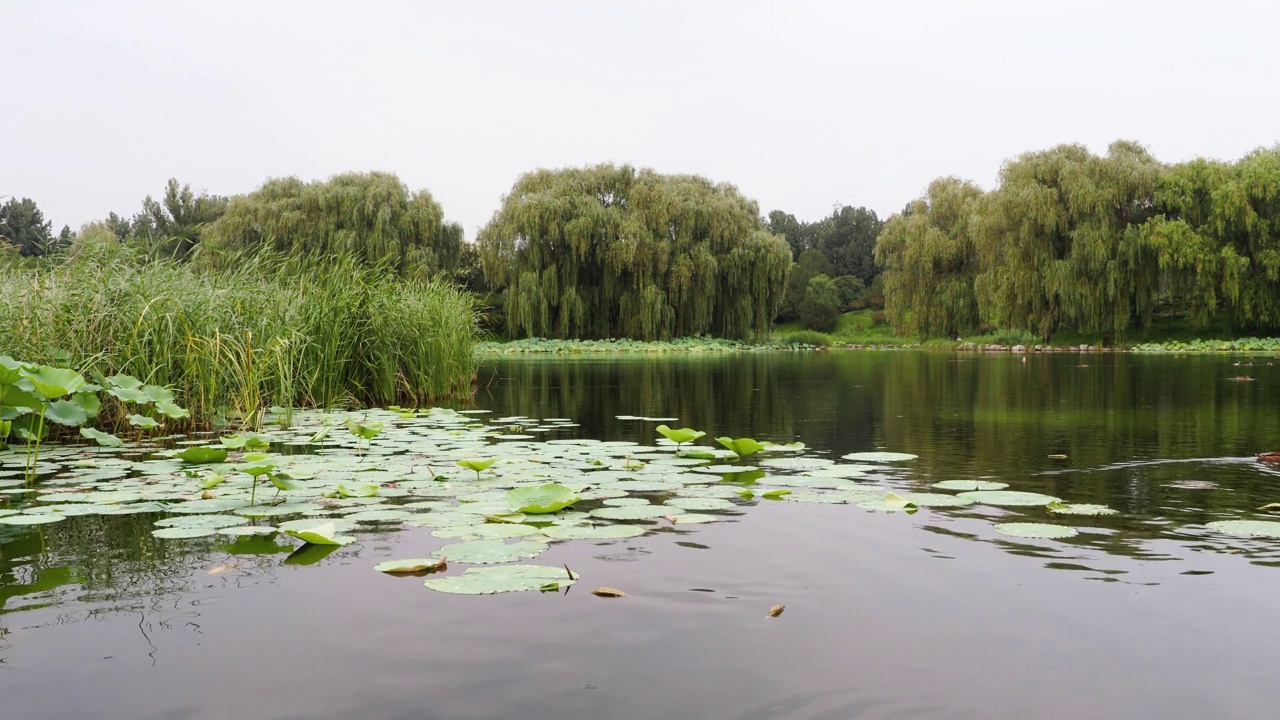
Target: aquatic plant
[[742, 447], [680, 436]]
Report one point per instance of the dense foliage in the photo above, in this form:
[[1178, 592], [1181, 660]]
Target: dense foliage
[[840, 247], [370, 217], [609, 251], [1073, 241], [24, 229], [233, 342]]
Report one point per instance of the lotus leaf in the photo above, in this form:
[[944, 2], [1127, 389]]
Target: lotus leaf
[[741, 446], [31, 519], [198, 454], [1035, 530], [102, 438], [1011, 498], [594, 532], [144, 422], [180, 533], [321, 534], [546, 498], [880, 457], [969, 485], [410, 566], [53, 382], [694, 519], [506, 578], [680, 436], [1080, 509], [635, 512], [489, 552], [700, 503], [1254, 528]]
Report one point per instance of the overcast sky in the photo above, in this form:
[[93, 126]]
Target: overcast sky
[[802, 105]]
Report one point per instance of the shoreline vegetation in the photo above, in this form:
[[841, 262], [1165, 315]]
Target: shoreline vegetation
[[357, 291]]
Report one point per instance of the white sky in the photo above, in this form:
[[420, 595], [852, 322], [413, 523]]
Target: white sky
[[800, 104]]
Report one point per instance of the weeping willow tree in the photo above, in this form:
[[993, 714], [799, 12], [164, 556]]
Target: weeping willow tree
[[1060, 242], [929, 262], [370, 217], [1217, 236], [609, 251]]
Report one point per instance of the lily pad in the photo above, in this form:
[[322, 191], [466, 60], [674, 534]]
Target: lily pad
[[707, 503], [1080, 509], [695, 518], [1038, 530], [182, 533], [38, 519], [1252, 528], [880, 457], [321, 534], [202, 454], [1010, 498], [506, 578], [635, 512], [541, 499], [488, 531], [970, 485], [410, 566], [594, 532], [490, 552]]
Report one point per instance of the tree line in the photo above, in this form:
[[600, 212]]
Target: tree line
[[1066, 241], [1073, 241]]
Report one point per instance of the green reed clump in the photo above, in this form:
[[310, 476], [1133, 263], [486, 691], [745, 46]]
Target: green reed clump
[[260, 332]]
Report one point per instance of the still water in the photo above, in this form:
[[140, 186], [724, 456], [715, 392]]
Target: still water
[[1146, 614]]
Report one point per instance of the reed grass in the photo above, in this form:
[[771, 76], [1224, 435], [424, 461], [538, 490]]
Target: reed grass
[[260, 332]]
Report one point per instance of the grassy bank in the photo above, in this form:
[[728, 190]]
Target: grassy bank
[[232, 342], [544, 346]]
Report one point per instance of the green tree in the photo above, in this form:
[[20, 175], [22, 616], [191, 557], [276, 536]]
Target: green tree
[[820, 309], [23, 227], [1060, 243], [371, 217], [609, 251], [850, 289], [810, 264], [174, 224], [929, 262], [848, 239], [801, 236]]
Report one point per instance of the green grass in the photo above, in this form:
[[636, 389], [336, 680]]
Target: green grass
[[853, 328], [233, 342]]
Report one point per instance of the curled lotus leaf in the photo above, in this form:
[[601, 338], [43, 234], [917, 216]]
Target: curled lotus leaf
[[320, 534], [680, 436], [198, 454], [742, 447], [104, 439]]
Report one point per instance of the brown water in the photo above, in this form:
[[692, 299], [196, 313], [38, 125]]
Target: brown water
[[933, 615]]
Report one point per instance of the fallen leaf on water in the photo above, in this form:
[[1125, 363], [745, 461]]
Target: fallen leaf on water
[[608, 592], [669, 518], [776, 610], [207, 495], [1057, 457], [222, 568]]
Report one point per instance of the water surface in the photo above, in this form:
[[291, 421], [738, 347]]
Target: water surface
[[931, 615]]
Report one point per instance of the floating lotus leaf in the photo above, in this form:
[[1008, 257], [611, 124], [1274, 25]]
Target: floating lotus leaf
[[506, 578], [880, 457], [181, 533], [1252, 528], [1080, 509], [321, 534], [776, 494], [1039, 530], [539, 499], [218, 505], [290, 508], [700, 503], [926, 499], [643, 486], [695, 519], [248, 531], [410, 566], [201, 521], [379, 515], [594, 532], [339, 524], [444, 519], [969, 485], [797, 463], [635, 512], [202, 454], [36, 519], [625, 501], [891, 502], [488, 531], [1010, 498], [489, 552], [852, 470]]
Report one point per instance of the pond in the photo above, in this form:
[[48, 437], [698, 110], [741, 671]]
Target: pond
[[917, 607]]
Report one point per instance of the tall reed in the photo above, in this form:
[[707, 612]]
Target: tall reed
[[233, 341]]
